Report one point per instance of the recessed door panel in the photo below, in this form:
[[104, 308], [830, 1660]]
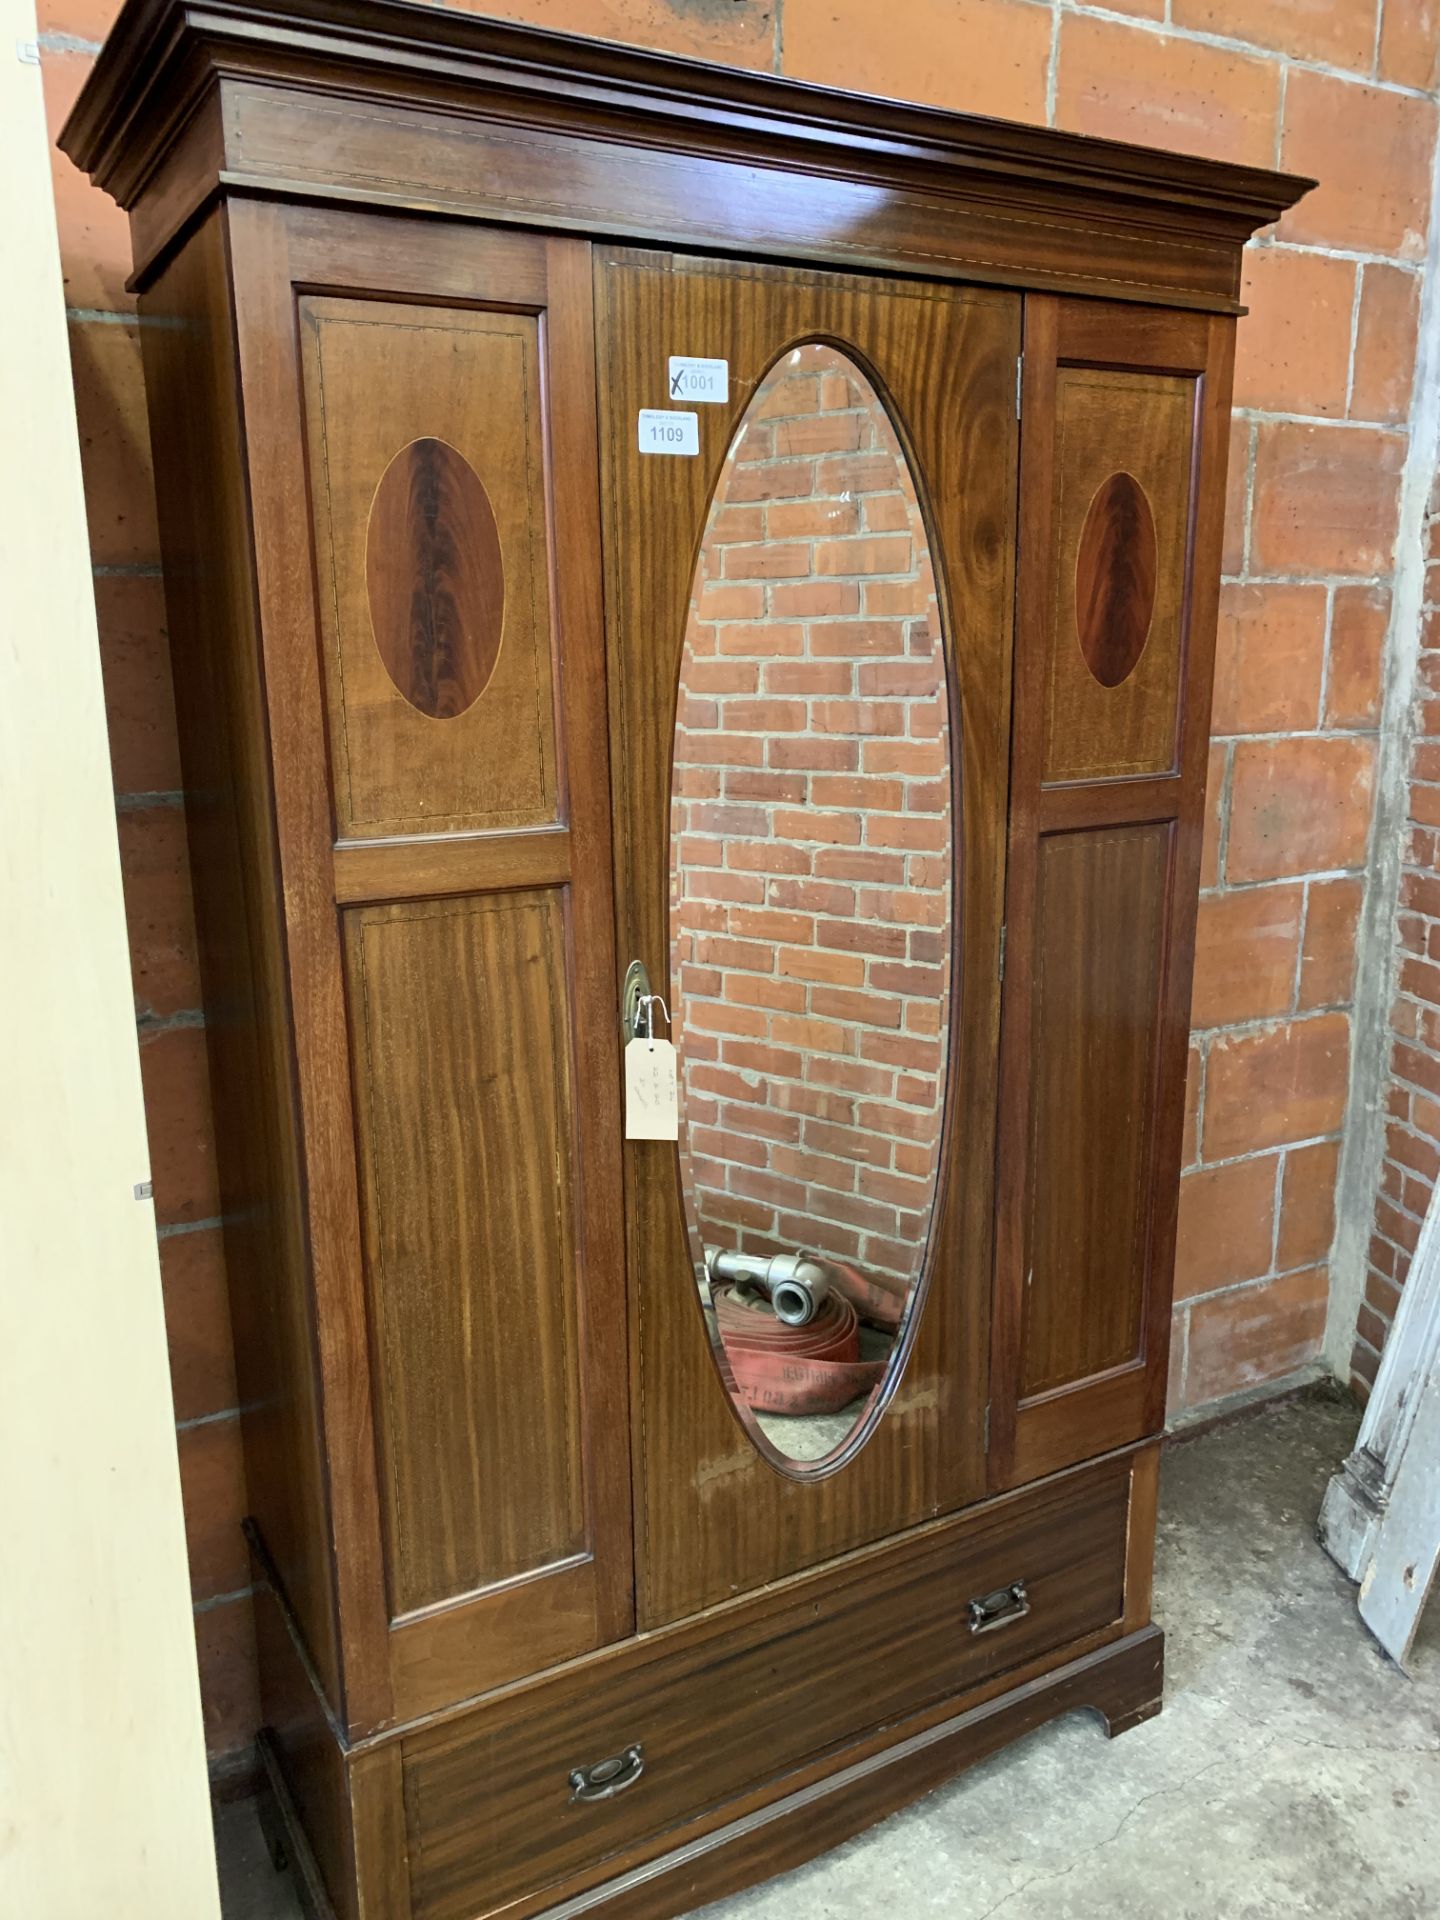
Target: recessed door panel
[[465, 1114], [427, 460], [809, 633], [1100, 903], [1117, 576]]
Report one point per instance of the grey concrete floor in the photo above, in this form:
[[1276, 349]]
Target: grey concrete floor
[[1293, 1770]]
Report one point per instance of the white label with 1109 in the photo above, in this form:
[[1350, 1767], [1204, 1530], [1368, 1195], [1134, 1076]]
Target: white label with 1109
[[666, 431]]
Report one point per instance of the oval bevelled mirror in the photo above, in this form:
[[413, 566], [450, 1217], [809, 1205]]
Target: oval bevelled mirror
[[811, 857]]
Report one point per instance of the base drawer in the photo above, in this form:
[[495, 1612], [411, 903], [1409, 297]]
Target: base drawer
[[621, 1751]]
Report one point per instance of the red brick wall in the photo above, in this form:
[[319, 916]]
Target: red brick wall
[[1340, 88], [811, 886], [1411, 1153]]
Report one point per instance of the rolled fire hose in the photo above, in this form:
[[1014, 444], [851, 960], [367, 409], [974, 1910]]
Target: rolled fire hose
[[803, 1355], [786, 1369]]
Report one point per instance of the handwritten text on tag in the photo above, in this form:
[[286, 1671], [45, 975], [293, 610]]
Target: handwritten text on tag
[[652, 1105]]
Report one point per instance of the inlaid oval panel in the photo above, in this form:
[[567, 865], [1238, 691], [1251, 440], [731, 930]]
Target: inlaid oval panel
[[812, 848], [1115, 576], [435, 578]]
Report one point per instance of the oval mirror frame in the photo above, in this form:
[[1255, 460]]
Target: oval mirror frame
[[814, 836]]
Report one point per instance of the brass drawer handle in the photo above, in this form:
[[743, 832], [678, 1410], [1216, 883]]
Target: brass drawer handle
[[998, 1609], [607, 1777]]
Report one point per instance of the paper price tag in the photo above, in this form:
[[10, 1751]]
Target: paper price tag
[[652, 1105], [665, 430], [692, 379]]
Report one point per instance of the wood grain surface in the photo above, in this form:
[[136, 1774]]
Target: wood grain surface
[[1099, 942], [426, 600], [426, 446], [465, 1111], [443, 110], [713, 1518], [1123, 443], [214, 625], [435, 578], [1115, 582], [1121, 1684], [737, 1709], [446, 1590], [1097, 998]]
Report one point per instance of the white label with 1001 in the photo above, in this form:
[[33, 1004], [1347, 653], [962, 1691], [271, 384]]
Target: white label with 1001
[[692, 379]]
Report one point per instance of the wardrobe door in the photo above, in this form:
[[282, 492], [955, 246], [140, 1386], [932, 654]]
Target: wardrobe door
[[428, 543], [810, 495], [1124, 422]]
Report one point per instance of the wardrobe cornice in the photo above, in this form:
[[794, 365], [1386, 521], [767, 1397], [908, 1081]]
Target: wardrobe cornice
[[385, 103]]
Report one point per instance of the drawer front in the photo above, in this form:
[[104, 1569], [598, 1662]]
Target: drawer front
[[718, 1709]]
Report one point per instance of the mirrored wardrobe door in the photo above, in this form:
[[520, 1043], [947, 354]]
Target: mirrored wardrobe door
[[810, 500]]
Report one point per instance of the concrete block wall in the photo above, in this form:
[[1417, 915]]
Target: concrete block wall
[[1343, 89]]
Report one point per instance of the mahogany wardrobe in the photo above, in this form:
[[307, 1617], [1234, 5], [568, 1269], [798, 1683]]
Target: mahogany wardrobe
[[692, 600]]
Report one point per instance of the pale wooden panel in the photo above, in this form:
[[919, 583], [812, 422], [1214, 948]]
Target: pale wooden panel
[[1121, 539], [463, 1089], [428, 488], [1099, 939]]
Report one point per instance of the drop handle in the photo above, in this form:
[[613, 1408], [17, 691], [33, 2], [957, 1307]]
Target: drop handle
[[608, 1777], [992, 1610]]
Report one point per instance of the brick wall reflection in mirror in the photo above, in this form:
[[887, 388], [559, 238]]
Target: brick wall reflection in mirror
[[811, 856]]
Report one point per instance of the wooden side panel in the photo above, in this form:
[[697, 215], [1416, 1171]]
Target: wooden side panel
[[1118, 566], [421, 448], [382, 1862], [191, 384], [1099, 949], [714, 1517], [465, 1109], [304, 1747], [1140, 1536], [1125, 415], [427, 464]]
